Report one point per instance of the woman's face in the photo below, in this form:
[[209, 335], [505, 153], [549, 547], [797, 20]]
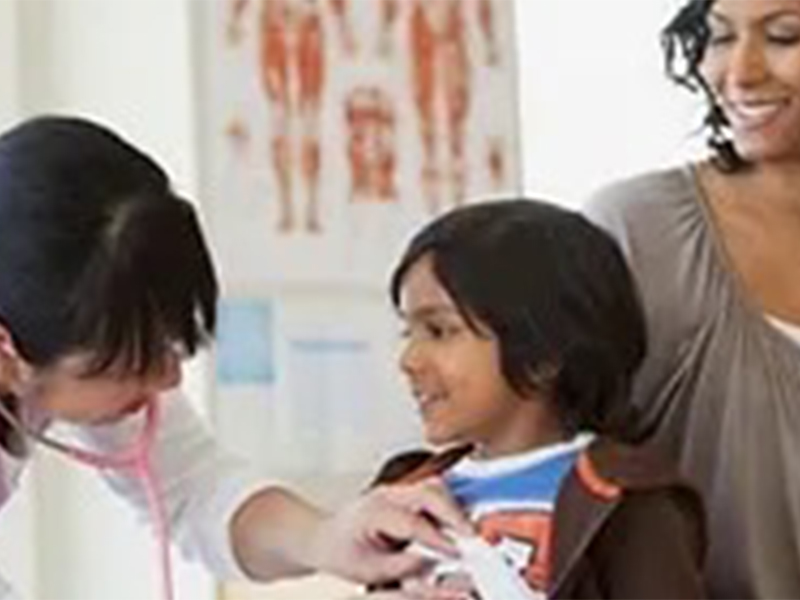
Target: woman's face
[[65, 392], [753, 65]]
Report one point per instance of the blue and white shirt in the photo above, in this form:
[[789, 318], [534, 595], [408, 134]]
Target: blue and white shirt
[[511, 501]]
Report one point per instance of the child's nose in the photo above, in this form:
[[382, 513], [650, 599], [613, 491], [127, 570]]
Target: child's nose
[[410, 358]]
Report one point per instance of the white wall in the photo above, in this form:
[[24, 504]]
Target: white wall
[[595, 103], [125, 62], [9, 68]]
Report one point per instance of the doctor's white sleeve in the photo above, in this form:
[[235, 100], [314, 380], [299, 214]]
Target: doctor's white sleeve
[[201, 485]]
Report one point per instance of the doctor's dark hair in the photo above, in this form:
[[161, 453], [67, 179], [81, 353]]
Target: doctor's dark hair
[[685, 40], [97, 253], [556, 294]]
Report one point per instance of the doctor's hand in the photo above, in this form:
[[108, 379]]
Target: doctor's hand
[[366, 542], [276, 533]]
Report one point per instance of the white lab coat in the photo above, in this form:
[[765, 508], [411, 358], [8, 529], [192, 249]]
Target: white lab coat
[[202, 486]]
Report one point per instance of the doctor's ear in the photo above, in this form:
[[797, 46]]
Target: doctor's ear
[[11, 361], [7, 347]]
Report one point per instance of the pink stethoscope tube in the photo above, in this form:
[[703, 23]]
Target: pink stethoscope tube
[[135, 457]]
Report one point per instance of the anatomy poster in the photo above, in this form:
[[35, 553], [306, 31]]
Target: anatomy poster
[[331, 129], [247, 409]]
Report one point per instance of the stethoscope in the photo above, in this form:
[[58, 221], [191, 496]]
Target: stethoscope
[[136, 458]]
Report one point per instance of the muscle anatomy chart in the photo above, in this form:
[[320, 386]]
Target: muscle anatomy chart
[[341, 10], [318, 113], [441, 77], [389, 10], [371, 145], [291, 71], [486, 18]]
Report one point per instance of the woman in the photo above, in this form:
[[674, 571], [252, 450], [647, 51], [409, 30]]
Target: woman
[[715, 248], [105, 285]]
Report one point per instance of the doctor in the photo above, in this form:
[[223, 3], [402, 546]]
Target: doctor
[[106, 284]]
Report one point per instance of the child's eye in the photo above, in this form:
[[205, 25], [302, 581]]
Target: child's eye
[[435, 330], [440, 331]]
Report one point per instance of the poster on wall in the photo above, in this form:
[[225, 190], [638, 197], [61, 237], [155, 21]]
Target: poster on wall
[[330, 129], [245, 369], [309, 388]]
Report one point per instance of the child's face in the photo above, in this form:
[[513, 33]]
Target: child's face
[[455, 373]]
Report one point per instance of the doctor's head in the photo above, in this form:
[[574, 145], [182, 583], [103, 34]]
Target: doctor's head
[[105, 279]]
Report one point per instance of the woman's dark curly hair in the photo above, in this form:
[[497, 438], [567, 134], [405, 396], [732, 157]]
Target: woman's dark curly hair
[[685, 41]]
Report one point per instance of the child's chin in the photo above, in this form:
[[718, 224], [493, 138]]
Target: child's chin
[[440, 437]]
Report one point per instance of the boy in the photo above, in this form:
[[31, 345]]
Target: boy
[[523, 332]]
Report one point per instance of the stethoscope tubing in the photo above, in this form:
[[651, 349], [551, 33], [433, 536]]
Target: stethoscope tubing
[[135, 457]]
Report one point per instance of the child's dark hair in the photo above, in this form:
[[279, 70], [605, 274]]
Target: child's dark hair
[[556, 293], [97, 253], [685, 40]]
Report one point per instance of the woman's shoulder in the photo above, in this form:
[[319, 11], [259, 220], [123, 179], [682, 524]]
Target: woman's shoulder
[[642, 201], [644, 189]]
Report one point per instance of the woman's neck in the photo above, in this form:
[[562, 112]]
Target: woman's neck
[[757, 215], [769, 192]]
